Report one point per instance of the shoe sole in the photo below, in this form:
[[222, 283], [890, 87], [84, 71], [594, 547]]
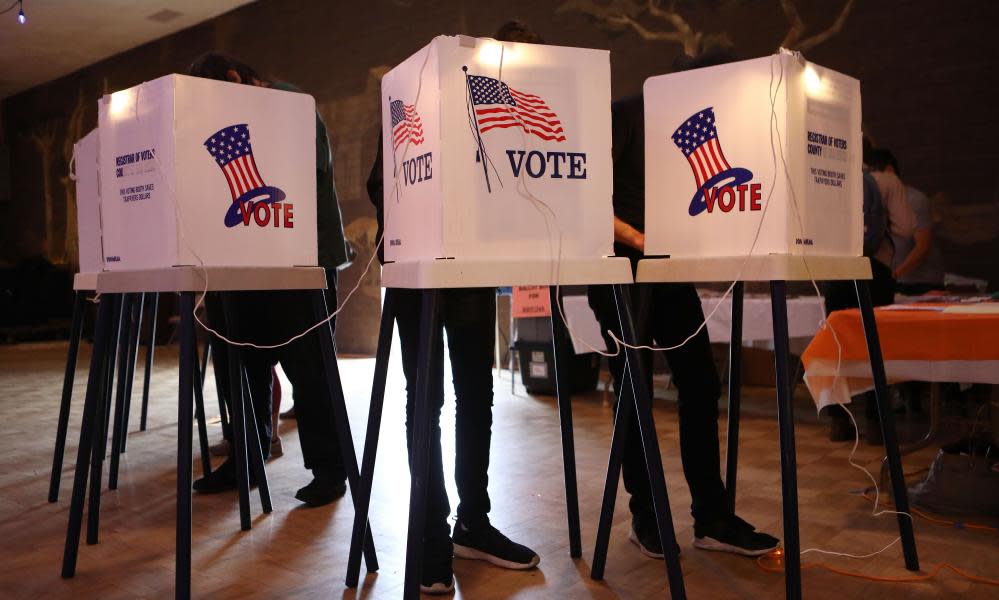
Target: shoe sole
[[634, 540], [469, 553], [437, 589], [707, 543]]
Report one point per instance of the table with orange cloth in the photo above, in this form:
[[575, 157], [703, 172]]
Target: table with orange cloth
[[925, 342]]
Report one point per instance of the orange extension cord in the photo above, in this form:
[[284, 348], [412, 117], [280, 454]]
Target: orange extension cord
[[774, 561]]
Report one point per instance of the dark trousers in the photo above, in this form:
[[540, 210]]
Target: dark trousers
[[673, 313], [267, 318], [469, 317]]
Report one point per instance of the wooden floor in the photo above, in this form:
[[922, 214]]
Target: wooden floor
[[302, 553]]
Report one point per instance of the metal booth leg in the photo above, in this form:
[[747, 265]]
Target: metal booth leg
[[75, 332], [734, 395]]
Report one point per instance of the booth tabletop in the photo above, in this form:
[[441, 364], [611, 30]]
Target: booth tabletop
[[773, 267], [214, 279], [451, 273], [85, 282]]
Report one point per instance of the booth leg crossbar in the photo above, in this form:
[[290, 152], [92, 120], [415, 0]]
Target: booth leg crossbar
[[789, 489], [430, 322]]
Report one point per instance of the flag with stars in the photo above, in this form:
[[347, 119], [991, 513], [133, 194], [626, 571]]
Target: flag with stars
[[697, 139], [499, 106], [406, 124], [230, 147]]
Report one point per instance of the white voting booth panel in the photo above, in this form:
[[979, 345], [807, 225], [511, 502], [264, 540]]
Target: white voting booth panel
[[472, 128], [202, 172], [88, 199], [774, 138]]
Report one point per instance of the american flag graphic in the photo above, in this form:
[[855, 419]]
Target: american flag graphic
[[406, 124], [498, 106], [697, 138], [230, 147]]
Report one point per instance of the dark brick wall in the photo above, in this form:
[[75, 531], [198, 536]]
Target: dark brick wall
[[928, 71]]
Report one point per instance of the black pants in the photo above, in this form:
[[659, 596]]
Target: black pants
[[267, 318], [673, 313], [469, 317], [840, 295]]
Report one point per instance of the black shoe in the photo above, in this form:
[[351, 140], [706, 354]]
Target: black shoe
[[485, 542], [325, 488], [732, 534], [438, 573], [645, 535], [222, 479]]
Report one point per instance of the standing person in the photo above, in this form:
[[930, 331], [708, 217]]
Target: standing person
[[469, 316], [675, 312], [301, 359], [918, 265]]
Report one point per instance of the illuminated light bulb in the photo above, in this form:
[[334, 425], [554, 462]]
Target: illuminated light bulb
[[21, 18]]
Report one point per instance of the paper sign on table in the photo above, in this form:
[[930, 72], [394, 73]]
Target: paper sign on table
[[531, 301]]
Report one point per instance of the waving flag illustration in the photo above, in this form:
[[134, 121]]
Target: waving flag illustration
[[406, 124], [498, 106], [697, 139], [231, 149]]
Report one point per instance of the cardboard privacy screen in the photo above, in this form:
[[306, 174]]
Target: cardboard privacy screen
[[473, 128], [712, 174], [195, 171], [88, 203]]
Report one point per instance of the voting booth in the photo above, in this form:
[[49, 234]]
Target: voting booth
[[491, 150], [201, 172], [764, 151], [88, 199]]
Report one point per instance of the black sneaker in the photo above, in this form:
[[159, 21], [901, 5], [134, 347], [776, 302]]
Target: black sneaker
[[645, 535], [323, 489], [485, 542], [732, 534], [222, 479], [438, 574]]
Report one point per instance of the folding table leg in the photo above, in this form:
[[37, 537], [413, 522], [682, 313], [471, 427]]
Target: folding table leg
[[239, 453], [625, 410], [199, 415], [420, 459], [788, 458], [95, 384], [887, 417], [734, 395], [182, 581], [100, 445], [150, 347], [138, 304], [75, 332], [563, 393], [341, 421], [255, 453], [362, 494]]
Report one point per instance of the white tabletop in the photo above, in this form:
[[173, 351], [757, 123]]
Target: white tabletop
[[219, 279], [774, 267], [463, 273], [85, 282]]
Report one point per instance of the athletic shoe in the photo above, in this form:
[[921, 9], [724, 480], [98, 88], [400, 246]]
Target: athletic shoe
[[732, 534], [485, 542], [323, 489], [645, 535], [438, 573]]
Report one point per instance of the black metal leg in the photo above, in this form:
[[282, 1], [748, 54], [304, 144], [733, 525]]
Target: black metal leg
[[182, 581], [255, 453], [734, 395], [216, 345], [239, 453], [420, 459], [625, 408], [199, 415], [362, 494], [788, 458], [121, 399], [100, 445], [563, 392], [887, 417], [205, 355], [75, 331], [650, 445], [95, 383], [138, 305], [340, 417], [150, 347]]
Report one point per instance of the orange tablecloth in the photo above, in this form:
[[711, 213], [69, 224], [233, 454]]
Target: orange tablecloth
[[920, 345]]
